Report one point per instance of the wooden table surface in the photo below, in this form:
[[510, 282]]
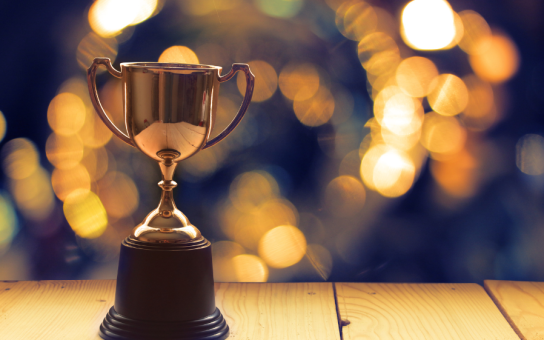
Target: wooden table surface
[[522, 303], [332, 311]]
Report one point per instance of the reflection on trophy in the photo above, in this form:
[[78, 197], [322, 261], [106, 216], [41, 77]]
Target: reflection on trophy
[[165, 286]]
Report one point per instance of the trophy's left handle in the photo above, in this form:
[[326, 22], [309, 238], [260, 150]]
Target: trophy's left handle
[[91, 81], [250, 84]]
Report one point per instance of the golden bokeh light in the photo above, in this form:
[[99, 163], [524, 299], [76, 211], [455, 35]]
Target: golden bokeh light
[[111, 98], [91, 46], [64, 152], [248, 228], [356, 19], [8, 222], [33, 195], [428, 24], [178, 54], [398, 112], [96, 162], [266, 80], [414, 76], [316, 110], [350, 164], [394, 173], [480, 112], [378, 53], [222, 254], [251, 189], [449, 95], [204, 7], [530, 154], [118, 194], [476, 32], [299, 80], [321, 260], [498, 61], [344, 196], [66, 114], [369, 161], [3, 126], [202, 164], [20, 158], [282, 246], [456, 175], [249, 268], [442, 135], [94, 132], [401, 142], [85, 213], [66, 181], [109, 17]]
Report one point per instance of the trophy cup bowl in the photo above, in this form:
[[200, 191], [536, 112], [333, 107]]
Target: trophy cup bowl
[[165, 287]]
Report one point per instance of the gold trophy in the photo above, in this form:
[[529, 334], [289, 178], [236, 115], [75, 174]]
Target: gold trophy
[[165, 286]]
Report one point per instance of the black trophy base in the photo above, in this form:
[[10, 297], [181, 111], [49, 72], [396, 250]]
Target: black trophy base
[[164, 292], [117, 327]]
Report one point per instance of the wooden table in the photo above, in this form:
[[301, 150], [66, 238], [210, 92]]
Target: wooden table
[[329, 311]]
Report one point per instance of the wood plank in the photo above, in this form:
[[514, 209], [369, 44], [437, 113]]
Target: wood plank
[[279, 310], [522, 303], [419, 311], [75, 309], [54, 309]]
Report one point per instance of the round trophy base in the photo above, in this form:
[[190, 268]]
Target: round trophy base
[[165, 291], [118, 327]]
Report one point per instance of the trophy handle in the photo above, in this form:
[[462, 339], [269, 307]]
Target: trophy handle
[[91, 81], [250, 84]]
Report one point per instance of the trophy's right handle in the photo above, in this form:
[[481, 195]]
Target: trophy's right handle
[[250, 84], [91, 81]]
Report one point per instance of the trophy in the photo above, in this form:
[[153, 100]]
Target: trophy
[[165, 287]]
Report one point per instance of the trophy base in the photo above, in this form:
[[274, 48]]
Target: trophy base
[[165, 291], [118, 327]]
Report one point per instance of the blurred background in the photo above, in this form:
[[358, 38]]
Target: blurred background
[[387, 140]]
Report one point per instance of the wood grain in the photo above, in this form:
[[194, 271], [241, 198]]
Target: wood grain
[[54, 309], [419, 311], [304, 311], [522, 303], [74, 309]]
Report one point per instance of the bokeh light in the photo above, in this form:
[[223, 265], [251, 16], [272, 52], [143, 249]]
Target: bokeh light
[[530, 154], [398, 112], [94, 132], [204, 7], [118, 194], [498, 59], [345, 196], [457, 174], [251, 189], [33, 195], [282, 246], [266, 80], [222, 254], [20, 158], [378, 53], [428, 24], [3, 126], [85, 213], [178, 54], [91, 46], [316, 110], [299, 80], [249, 268], [480, 112], [8, 222], [280, 8], [442, 135], [64, 182], [393, 174], [64, 152], [66, 114], [414, 76], [356, 19], [476, 33], [109, 17], [449, 95]]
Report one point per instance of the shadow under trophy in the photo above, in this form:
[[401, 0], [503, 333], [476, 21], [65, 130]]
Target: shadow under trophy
[[165, 287]]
